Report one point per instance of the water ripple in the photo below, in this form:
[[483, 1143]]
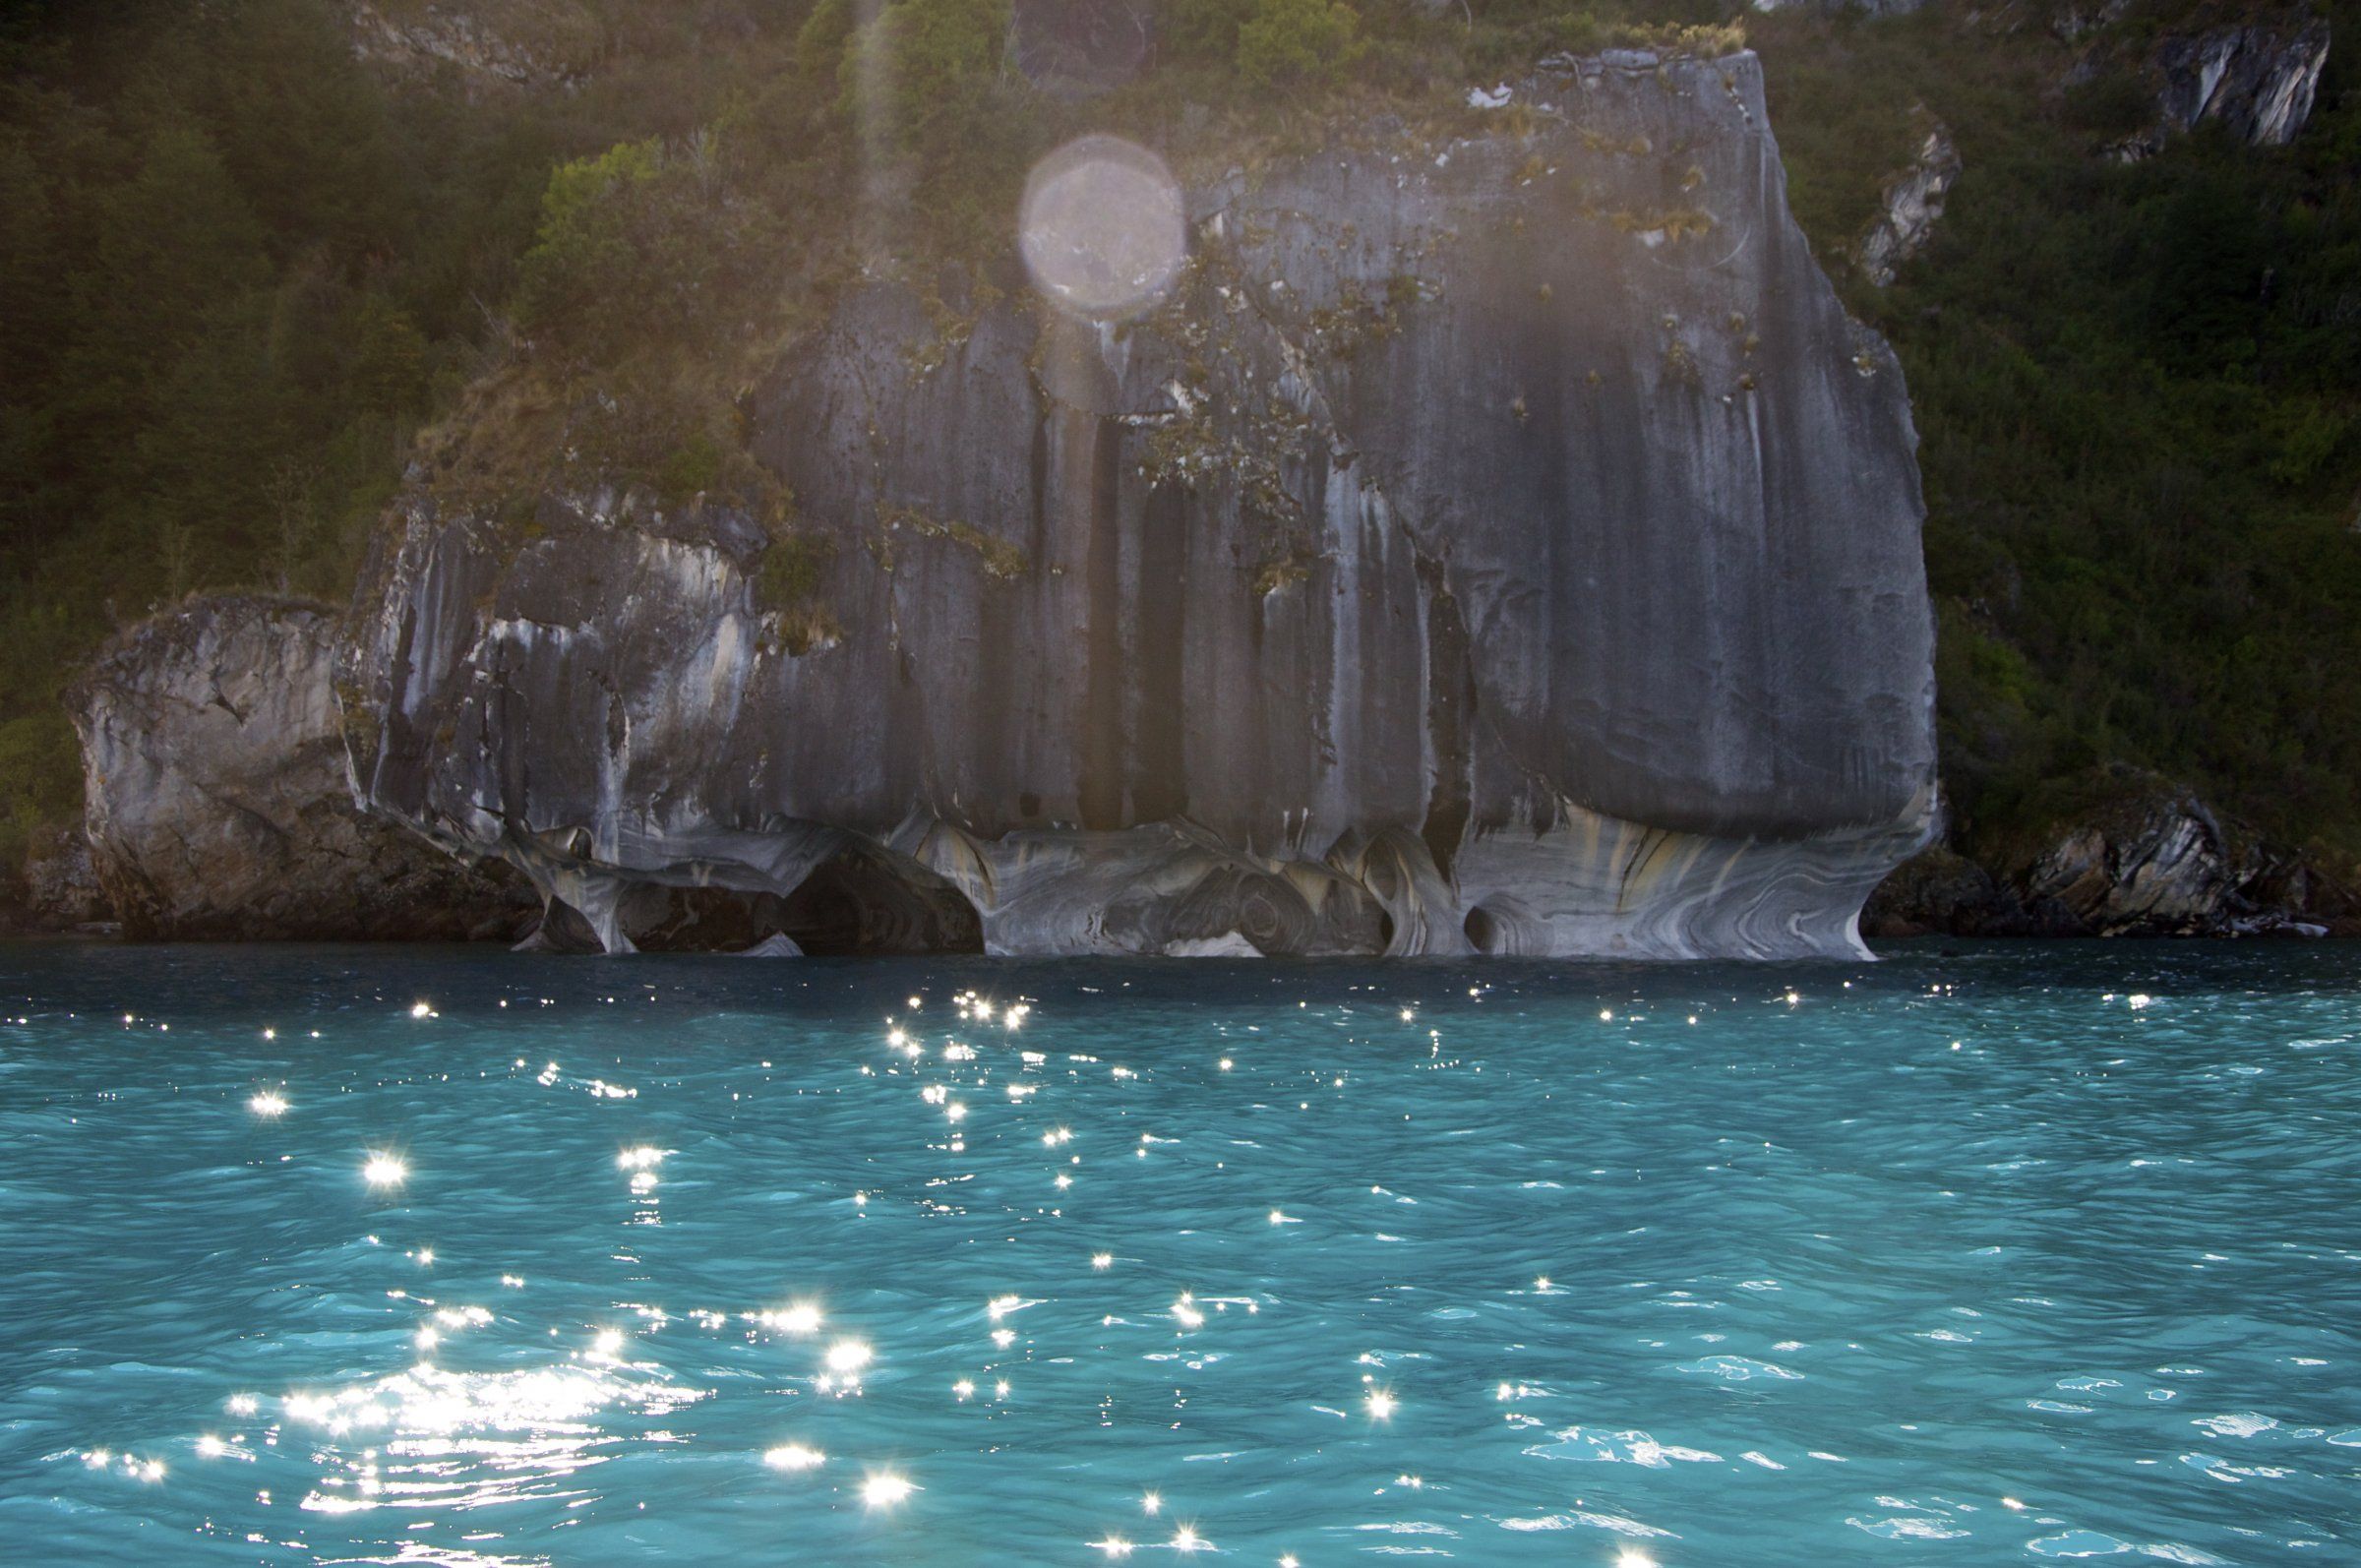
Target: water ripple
[[1986, 1253]]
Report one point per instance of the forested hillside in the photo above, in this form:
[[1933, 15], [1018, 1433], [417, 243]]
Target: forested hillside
[[259, 256], [2136, 390]]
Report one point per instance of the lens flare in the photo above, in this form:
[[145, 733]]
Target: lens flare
[[1101, 228]]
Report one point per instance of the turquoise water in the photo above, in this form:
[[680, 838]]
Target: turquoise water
[[1983, 1255]]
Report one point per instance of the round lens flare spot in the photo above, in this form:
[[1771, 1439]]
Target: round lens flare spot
[[1101, 228]]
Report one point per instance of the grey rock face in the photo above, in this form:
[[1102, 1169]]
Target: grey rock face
[[479, 40], [2169, 873], [1872, 8], [1913, 204], [219, 801], [2258, 80], [1504, 542]]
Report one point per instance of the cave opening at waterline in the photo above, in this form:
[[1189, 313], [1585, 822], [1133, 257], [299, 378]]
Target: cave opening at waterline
[[861, 901]]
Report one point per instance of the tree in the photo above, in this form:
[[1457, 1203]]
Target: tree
[[580, 273]]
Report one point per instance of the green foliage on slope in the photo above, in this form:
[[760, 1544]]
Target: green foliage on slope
[[236, 272], [2137, 389], [1298, 40]]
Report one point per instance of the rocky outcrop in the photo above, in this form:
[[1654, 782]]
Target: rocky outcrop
[[2079, 19], [1911, 203], [2160, 868], [2129, 853], [58, 889], [1869, 8], [509, 43], [2258, 79], [1940, 891], [1502, 541], [219, 801]]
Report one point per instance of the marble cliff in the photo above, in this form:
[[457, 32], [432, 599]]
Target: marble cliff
[[219, 801], [1500, 541]]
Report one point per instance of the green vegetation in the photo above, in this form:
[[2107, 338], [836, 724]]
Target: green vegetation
[[1298, 40], [2137, 389], [232, 277], [247, 278], [922, 70], [239, 267], [787, 584], [598, 253]]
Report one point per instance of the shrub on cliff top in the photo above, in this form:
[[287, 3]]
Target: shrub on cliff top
[[574, 274], [1298, 40], [635, 246]]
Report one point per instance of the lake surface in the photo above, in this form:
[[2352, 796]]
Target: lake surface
[[438, 1257]]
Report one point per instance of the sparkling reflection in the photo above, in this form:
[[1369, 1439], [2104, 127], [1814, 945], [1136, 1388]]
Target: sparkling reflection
[[1544, 1295], [885, 1488], [435, 1438], [794, 1456]]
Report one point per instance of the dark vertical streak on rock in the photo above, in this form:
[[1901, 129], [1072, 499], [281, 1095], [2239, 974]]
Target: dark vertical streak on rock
[[400, 739], [1102, 791], [510, 726], [992, 773], [1450, 713], [1038, 546], [1159, 771]]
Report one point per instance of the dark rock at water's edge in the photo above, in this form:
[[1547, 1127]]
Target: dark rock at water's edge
[[1504, 542], [1939, 891], [61, 885], [2126, 854], [219, 806], [56, 891]]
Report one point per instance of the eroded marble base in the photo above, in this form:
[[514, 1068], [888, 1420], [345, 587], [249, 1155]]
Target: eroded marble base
[[1587, 885]]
